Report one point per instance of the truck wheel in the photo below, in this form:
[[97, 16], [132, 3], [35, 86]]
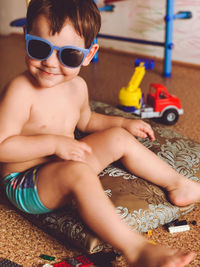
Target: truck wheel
[[170, 117]]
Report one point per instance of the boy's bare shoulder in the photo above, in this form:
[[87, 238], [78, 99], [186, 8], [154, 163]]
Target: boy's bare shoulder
[[79, 85], [20, 85], [15, 106], [23, 80], [16, 101]]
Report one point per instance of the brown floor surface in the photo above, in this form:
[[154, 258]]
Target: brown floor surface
[[22, 242]]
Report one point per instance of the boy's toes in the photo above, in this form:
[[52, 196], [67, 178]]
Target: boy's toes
[[179, 259], [182, 198], [188, 192], [183, 259], [187, 258]]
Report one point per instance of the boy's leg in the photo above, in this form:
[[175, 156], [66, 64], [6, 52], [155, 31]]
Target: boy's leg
[[60, 180], [118, 143], [96, 209], [80, 181]]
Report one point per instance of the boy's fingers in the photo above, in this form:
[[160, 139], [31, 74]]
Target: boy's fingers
[[78, 159], [142, 134], [149, 131], [86, 147], [146, 131], [78, 156], [151, 135]]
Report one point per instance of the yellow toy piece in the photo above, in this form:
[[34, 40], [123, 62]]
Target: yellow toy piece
[[149, 233], [152, 242], [131, 95]]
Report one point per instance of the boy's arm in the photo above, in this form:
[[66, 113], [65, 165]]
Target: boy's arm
[[15, 109], [137, 128], [91, 122]]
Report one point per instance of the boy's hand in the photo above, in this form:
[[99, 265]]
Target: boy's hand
[[139, 128], [70, 149]]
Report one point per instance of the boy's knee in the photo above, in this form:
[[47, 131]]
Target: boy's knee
[[119, 132], [120, 137], [72, 173]]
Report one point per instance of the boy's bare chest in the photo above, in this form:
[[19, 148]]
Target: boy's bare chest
[[53, 115]]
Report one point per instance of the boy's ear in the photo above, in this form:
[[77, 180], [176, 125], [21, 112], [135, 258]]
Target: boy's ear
[[91, 54]]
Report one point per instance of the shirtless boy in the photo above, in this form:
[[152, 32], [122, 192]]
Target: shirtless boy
[[44, 166]]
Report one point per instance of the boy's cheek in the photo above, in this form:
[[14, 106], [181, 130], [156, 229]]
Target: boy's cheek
[[70, 72], [32, 65], [66, 73], [29, 62]]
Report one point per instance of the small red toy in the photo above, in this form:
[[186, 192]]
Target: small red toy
[[79, 261], [160, 104]]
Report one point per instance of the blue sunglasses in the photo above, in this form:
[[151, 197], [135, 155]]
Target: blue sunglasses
[[41, 49]]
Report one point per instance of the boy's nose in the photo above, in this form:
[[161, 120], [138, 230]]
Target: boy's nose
[[52, 61]]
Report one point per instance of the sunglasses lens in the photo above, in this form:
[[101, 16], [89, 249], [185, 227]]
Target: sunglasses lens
[[38, 49], [72, 57]]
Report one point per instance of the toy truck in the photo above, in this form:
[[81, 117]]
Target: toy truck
[[160, 104]]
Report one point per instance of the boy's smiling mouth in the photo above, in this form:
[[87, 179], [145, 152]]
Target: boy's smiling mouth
[[48, 72]]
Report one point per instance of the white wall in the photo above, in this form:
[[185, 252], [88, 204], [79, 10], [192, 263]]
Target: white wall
[[142, 19]]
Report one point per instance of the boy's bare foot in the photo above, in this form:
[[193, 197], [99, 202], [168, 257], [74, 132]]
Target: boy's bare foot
[[185, 193], [157, 256]]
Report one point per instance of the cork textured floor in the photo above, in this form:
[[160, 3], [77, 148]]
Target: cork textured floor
[[22, 242]]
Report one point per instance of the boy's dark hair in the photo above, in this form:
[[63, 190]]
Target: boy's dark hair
[[83, 14]]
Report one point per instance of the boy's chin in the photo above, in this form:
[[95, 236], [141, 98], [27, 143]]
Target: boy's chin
[[47, 82], [42, 84]]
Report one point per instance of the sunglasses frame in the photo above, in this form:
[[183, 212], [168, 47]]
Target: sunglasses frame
[[29, 37]]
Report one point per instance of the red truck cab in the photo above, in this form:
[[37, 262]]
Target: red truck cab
[[159, 98], [160, 104]]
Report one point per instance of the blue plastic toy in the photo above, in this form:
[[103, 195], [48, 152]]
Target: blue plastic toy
[[149, 64], [107, 8], [169, 19], [18, 22]]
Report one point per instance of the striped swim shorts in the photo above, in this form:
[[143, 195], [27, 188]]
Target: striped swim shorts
[[21, 190]]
